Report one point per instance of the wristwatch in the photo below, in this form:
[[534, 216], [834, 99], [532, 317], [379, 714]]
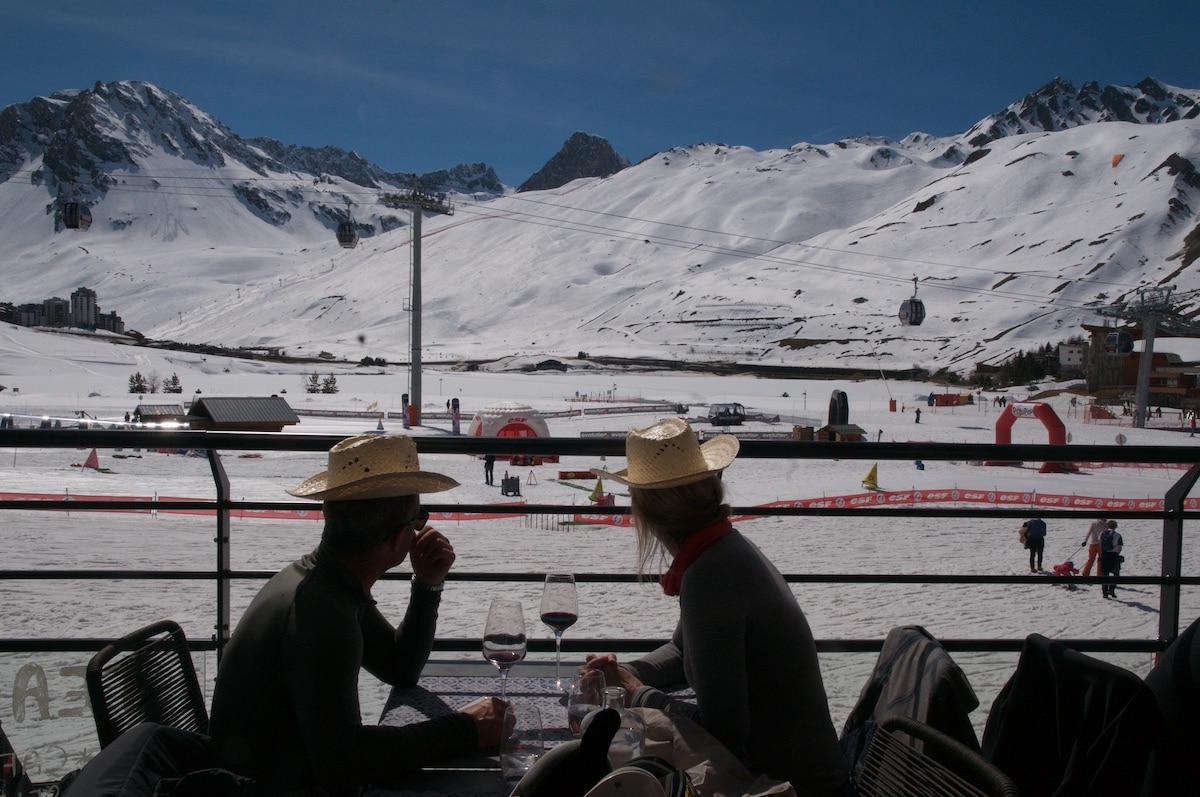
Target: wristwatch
[[427, 587]]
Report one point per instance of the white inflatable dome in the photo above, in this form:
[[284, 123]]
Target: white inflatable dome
[[508, 419]]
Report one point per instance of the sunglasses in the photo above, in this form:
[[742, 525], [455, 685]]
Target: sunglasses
[[417, 522]]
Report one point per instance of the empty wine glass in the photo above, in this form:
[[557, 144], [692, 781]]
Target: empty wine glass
[[560, 610], [504, 638]]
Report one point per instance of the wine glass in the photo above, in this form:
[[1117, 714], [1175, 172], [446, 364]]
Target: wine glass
[[560, 610], [504, 638]]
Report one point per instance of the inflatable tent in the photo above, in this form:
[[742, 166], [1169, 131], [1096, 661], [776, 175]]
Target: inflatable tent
[[511, 419]]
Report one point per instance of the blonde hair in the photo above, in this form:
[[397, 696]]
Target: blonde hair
[[665, 517]]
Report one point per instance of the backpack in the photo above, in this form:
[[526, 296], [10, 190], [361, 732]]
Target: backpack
[[1108, 541]]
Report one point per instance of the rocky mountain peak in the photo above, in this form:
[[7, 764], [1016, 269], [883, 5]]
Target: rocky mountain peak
[[1058, 105], [83, 136], [582, 155]]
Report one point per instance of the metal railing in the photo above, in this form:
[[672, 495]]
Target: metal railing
[[1169, 582]]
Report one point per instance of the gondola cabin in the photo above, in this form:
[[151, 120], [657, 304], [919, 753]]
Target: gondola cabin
[[912, 312], [347, 234], [76, 216], [1118, 344]]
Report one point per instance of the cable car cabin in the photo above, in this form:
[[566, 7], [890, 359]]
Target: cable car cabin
[[1118, 344], [912, 312], [347, 234], [76, 216]]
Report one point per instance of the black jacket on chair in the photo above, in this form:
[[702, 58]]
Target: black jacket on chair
[[1069, 724], [1175, 682]]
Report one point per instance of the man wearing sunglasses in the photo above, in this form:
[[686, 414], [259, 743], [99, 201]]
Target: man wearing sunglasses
[[285, 708]]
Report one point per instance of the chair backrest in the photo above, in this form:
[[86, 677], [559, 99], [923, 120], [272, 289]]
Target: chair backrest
[[894, 767], [146, 676]]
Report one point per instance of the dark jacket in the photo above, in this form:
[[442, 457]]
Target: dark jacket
[[285, 706], [913, 676], [1067, 724]]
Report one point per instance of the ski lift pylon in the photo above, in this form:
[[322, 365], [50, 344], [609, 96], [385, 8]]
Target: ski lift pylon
[[912, 310]]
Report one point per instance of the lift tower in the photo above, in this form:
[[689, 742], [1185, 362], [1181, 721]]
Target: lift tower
[[1153, 310], [419, 202]]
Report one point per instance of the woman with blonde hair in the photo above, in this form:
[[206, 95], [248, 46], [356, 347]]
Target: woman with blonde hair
[[742, 643]]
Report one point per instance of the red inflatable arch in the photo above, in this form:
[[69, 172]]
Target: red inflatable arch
[[1049, 418]]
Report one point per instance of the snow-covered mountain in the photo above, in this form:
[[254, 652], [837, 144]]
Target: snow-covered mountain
[[1016, 232]]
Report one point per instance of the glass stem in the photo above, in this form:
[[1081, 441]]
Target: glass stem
[[558, 657], [504, 685]]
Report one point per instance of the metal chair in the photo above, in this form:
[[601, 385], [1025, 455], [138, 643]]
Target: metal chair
[[894, 767], [147, 675]]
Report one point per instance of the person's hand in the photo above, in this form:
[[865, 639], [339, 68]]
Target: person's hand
[[431, 556], [488, 714], [614, 673]]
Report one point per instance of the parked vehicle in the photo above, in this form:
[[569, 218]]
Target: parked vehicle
[[732, 414]]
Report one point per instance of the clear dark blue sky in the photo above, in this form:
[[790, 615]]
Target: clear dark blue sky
[[422, 86]]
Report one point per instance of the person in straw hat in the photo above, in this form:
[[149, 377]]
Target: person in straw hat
[[285, 708], [742, 643]]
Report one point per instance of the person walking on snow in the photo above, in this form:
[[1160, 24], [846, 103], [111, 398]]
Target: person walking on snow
[[1035, 540], [1110, 558], [1092, 541]]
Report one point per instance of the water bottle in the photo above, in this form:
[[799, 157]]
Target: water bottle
[[630, 740]]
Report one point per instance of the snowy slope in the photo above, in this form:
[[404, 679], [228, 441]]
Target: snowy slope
[[707, 252]]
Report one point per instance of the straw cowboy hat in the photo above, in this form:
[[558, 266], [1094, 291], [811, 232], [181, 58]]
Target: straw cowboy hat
[[372, 466], [668, 454]]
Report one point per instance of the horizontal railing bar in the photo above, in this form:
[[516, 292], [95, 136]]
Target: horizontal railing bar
[[604, 578], [607, 645], [459, 444], [882, 510]]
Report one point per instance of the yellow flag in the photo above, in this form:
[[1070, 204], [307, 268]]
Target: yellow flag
[[871, 480]]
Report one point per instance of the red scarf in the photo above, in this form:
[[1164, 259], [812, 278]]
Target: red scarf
[[690, 551]]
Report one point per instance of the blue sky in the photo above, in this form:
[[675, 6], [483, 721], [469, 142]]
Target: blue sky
[[421, 86]]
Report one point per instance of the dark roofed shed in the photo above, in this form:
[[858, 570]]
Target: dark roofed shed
[[160, 413], [250, 414]]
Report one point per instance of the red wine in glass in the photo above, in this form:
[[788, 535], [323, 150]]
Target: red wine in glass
[[560, 611]]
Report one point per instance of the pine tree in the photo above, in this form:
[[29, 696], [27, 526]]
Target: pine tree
[[312, 384], [329, 385], [137, 383], [172, 384]]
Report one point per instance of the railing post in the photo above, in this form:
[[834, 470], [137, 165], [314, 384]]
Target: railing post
[[221, 480], [1172, 555]]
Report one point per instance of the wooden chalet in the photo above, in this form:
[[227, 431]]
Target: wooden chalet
[[841, 432]]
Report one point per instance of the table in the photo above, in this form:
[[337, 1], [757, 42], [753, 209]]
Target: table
[[446, 689]]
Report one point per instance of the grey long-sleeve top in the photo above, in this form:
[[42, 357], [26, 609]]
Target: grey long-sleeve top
[[745, 648], [285, 707]]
